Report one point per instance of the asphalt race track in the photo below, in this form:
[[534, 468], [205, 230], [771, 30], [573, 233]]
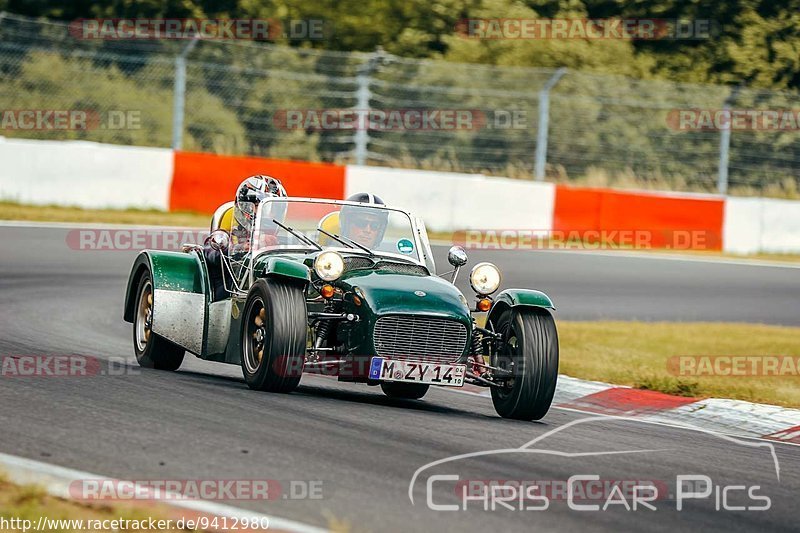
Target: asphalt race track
[[203, 423], [602, 286]]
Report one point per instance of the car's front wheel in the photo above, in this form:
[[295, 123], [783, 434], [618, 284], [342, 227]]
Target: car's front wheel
[[406, 391], [274, 328], [529, 351], [151, 350]]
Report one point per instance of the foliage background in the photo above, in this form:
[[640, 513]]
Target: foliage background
[[607, 120], [759, 40]]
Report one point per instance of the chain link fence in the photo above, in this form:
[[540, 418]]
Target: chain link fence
[[241, 97]]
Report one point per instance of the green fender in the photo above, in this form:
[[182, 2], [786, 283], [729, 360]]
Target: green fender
[[173, 271], [511, 298], [283, 267]]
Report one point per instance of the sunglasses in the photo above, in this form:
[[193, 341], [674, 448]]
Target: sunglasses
[[373, 225]]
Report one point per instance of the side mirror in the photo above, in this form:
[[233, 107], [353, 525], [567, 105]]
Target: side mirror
[[457, 257], [219, 240]]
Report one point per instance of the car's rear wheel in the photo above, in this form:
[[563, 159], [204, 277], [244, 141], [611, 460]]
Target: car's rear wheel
[[151, 350], [274, 329], [530, 352], [406, 391]]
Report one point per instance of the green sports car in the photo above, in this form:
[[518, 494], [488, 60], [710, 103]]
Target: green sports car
[[298, 291]]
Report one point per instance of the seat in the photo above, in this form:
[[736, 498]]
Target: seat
[[223, 217], [329, 223]]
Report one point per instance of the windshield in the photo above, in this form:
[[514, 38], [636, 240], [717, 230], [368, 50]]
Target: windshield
[[384, 231]]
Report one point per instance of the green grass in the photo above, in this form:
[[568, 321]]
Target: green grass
[[637, 354], [15, 211]]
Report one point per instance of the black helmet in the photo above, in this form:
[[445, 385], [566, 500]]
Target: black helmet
[[349, 213], [365, 197], [252, 192]]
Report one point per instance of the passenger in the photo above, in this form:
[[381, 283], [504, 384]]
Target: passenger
[[365, 226]]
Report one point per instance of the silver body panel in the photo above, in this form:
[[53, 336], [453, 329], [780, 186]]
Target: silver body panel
[[219, 326], [179, 317]]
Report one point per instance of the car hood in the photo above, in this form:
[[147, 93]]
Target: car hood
[[392, 293]]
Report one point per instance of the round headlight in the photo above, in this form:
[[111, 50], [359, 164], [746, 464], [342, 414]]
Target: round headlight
[[485, 278], [329, 266]]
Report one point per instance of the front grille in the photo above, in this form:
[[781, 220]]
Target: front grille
[[402, 268], [416, 338], [355, 263]]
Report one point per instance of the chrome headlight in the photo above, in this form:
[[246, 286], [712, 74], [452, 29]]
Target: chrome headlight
[[329, 266], [485, 278]]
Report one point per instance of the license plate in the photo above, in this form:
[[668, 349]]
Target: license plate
[[417, 372]]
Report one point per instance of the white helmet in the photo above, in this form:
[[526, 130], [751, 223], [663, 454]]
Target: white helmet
[[252, 192]]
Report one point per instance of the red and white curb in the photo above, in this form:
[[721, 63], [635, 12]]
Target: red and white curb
[[56, 481], [731, 417]]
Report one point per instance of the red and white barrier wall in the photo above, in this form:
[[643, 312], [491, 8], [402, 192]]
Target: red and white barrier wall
[[92, 175], [666, 219], [761, 224], [202, 182], [84, 174], [448, 201]]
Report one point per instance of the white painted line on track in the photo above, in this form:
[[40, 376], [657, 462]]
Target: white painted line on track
[[57, 479]]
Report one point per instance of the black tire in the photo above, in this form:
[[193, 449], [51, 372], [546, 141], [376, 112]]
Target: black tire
[[406, 391], [151, 350], [282, 340], [531, 353]]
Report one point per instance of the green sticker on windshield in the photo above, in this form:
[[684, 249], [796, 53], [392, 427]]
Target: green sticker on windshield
[[405, 246]]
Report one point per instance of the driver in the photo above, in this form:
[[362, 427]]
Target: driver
[[250, 193], [365, 226]]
